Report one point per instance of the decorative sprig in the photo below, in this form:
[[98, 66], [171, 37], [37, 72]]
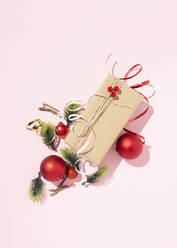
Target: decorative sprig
[[48, 108], [49, 136], [53, 146], [60, 187], [70, 157], [36, 190], [96, 177], [48, 133], [70, 108]]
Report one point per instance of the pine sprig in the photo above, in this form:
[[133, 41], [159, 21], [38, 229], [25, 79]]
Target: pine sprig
[[53, 146], [70, 108], [96, 177], [70, 157], [36, 190], [48, 133]]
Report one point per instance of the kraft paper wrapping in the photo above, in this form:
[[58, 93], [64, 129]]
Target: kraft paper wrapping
[[93, 139]]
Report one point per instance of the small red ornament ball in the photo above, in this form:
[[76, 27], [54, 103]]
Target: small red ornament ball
[[53, 168], [129, 146], [72, 173], [61, 129]]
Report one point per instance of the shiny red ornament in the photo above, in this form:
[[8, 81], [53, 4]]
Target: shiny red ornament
[[61, 129], [129, 146], [72, 173], [53, 168]]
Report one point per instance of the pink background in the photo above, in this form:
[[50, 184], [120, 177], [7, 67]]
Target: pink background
[[51, 51]]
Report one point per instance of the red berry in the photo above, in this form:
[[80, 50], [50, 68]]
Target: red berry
[[72, 173], [110, 89], [113, 94], [116, 88], [61, 129]]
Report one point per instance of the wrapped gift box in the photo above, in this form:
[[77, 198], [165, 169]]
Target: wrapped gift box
[[103, 119]]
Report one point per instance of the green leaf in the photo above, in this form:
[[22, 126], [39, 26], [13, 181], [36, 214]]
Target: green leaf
[[70, 157], [96, 177], [36, 190]]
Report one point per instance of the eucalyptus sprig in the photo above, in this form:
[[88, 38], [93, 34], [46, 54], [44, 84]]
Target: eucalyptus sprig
[[96, 177]]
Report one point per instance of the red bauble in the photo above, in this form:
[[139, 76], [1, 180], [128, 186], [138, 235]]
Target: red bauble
[[72, 173], [129, 146], [61, 129], [53, 168]]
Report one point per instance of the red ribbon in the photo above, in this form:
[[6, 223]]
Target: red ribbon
[[127, 77], [135, 86]]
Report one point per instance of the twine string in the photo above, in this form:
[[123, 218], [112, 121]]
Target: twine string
[[87, 131]]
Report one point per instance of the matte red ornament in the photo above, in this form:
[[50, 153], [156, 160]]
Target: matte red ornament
[[72, 173], [53, 168], [61, 129], [129, 146]]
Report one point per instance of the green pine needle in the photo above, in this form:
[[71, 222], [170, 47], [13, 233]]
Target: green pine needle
[[36, 190], [67, 112], [96, 177], [70, 157], [48, 133], [54, 145]]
